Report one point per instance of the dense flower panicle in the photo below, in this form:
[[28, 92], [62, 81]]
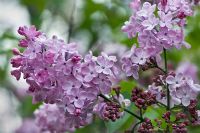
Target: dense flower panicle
[[158, 25], [182, 88], [49, 119], [57, 73]]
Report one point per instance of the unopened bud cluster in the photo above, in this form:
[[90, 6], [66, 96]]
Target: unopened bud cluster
[[142, 99], [146, 126], [112, 111]]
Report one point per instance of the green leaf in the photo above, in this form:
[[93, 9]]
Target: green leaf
[[152, 113], [97, 126], [121, 124], [27, 108], [126, 87], [35, 8], [194, 129]]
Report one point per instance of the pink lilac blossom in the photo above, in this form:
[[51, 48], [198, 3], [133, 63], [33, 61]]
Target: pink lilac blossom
[[158, 92], [57, 73], [182, 89], [164, 30], [157, 26], [129, 67]]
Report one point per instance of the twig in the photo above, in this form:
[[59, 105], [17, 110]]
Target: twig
[[160, 69], [161, 104], [166, 70], [133, 129], [166, 85], [71, 21]]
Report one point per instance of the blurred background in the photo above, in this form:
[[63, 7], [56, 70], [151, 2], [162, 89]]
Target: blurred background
[[95, 25]]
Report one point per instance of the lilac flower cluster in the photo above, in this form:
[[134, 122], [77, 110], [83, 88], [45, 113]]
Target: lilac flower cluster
[[194, 113], [182, 89], [160, 95], [181, 127], [57, 73], [146, 126], [143, 99], [111, 111], [157, 27]]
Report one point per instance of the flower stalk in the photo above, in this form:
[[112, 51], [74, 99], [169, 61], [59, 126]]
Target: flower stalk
[[71, 21], [166, 71], [166, 85]]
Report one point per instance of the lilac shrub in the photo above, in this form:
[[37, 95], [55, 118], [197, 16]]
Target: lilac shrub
[[73, 87]]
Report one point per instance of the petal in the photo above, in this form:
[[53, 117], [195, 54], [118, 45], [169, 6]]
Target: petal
[[100, 60], [135, 59], [179, 76], [142, 61], [79, 103], [179, 93], [99, 69], [89, 96], [88, 78], [136, 75], [186, 101], [107, 71], [85, 70], [146, 23], [196, 87], [16, 74], [127, 102], [67, 86], [176, 100], [170, 80], [70, 108]]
